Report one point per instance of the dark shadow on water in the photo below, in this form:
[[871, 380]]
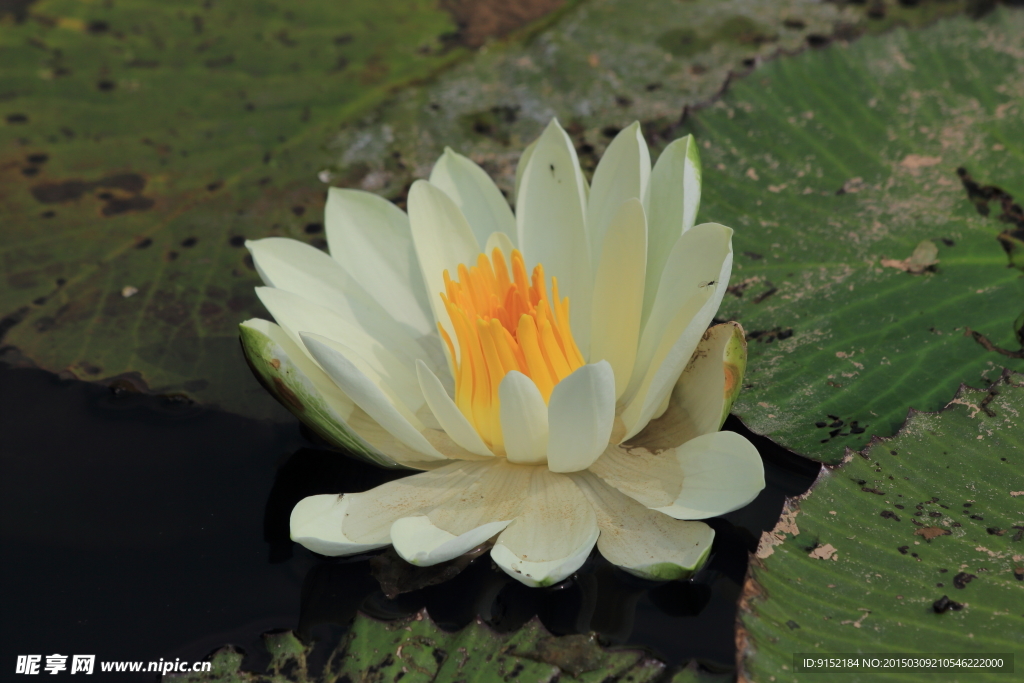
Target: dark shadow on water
[[135, 527]]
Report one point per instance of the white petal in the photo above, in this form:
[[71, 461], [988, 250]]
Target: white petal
[[473, 191], [501, 241], [654, 479], [722, 472], [524, 160], [340, 364], [619, 293], [370, 237], [448, 414], [421, 543], [551, 227], [391, 366], [701, 399], [642, 541], [553, 536], [685, 306], [291, 266], [371, 514], [672, 200], [478, 506], [316, 523], [524, 420], [443, 240], [580, 416], [621, 174]]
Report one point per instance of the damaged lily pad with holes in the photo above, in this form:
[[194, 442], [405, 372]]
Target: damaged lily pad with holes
[[914, 543], [416, 650], [859, 248]]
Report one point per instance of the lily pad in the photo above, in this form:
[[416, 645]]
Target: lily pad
[[143, 142], [912, 545], [862, 263], [415, 649]]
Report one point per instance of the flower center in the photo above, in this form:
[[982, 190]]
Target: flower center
[[503, 324]]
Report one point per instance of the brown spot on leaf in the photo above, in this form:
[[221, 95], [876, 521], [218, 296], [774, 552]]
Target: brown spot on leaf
[[479, 20], [930, 532]]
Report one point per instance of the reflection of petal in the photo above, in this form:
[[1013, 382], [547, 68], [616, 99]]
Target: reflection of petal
[[553, 536], [642, 541]]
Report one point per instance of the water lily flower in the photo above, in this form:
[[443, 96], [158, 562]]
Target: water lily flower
[[551, 370]]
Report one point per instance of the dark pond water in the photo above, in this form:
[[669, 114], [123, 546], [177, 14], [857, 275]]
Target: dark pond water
[[137, 527]]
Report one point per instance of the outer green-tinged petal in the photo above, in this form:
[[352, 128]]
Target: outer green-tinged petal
[[553, 536], [722, 472], [473, 191], [443, 240], [421, 543], [684, 308], [642, 541], [524, 420], [370, 237], [580, 416], [390, 366], [673, 196], [619, 293], [621, 174], [316, 523], [704, 394], [475, 510], [340, 363], [448, 414], [306, 390], [704, 477], [551, 227]]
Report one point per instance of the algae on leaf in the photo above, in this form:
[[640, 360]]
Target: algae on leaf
[[923, 532]]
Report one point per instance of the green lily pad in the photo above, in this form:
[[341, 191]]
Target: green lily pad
[[142, 142], [416, 650], [836, 168], [912, 545]]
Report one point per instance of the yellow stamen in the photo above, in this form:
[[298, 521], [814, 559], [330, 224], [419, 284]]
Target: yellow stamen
[[504, 321]]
